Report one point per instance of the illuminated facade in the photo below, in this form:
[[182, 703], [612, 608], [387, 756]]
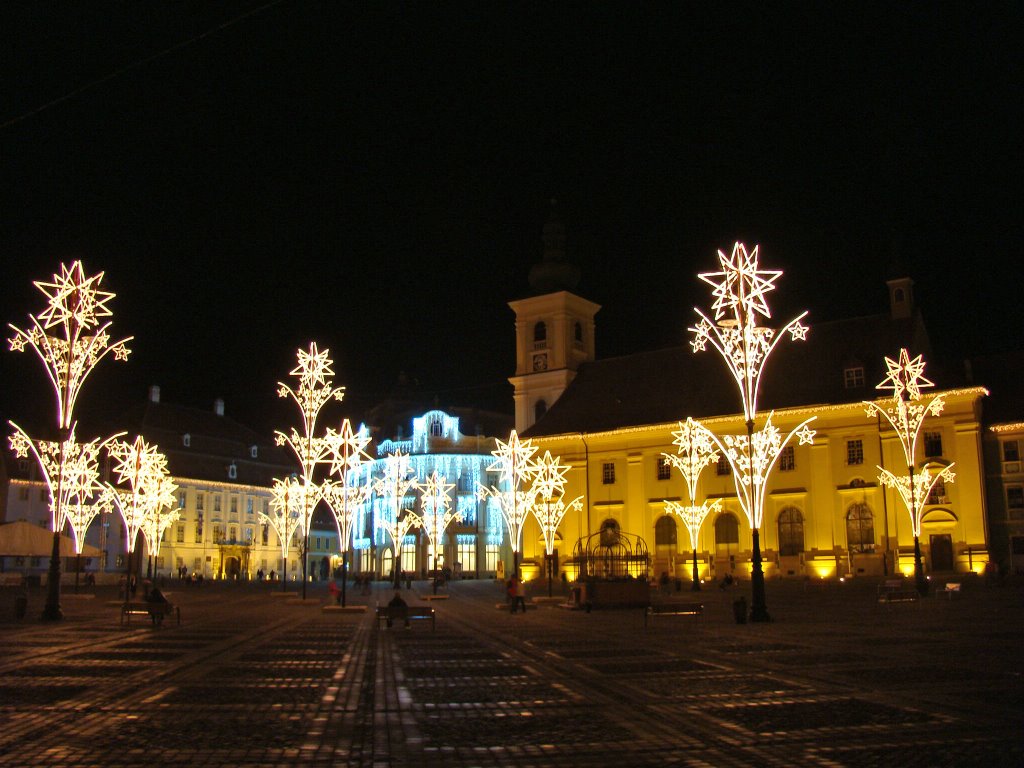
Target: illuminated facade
[[825, 512]]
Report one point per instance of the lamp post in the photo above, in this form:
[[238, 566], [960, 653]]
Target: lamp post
[[695, 450], [739, 289], [549, 506], [435, 506], [513, 494], [397, 481], [75, 306], [906, 411], [346, 497], [145, 488], [315, 390]]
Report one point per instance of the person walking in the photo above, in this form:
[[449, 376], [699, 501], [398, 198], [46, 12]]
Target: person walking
[[518, 594]]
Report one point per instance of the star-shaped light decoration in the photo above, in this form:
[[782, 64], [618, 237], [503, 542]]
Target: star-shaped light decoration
[[144, 487], [549, 506], [741, 285], [905, 377], [435, 508], [287, 501], [513, 494]]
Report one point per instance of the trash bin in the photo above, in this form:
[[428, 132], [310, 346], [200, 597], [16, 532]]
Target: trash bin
[[20, 606], [739, 610]]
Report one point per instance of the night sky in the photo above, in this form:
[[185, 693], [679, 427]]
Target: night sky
[[376, 176]]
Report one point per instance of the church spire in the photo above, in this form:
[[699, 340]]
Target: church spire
[[553, 273]]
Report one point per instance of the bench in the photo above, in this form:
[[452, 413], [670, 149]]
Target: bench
[[408, 614], [156, 612], [897, 591], [673, 609]]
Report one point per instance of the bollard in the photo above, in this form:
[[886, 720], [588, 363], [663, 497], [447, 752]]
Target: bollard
[[739, 609]]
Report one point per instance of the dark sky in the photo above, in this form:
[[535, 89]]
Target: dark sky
[[253, 175]]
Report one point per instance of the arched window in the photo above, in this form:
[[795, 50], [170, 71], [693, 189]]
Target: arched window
[[791, 531], [540, 331], [610, 532], [577, 334], [727, 532], [539, 409], [860, 528], [665, 532]]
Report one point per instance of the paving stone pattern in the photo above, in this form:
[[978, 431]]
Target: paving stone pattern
[[253, 679]]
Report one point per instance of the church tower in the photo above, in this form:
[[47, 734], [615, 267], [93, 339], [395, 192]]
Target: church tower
[[554, 329]]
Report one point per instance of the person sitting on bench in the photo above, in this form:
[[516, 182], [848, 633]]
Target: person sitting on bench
[[159, 608], [398, 608]]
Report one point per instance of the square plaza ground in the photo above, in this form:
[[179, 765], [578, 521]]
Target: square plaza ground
[[254, 678]]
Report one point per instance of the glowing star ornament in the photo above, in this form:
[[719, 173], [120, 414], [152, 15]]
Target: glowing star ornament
[[436, 513], [513, 494], [143, 489], [905, 412], [397, 482], [549, 506], [287, 503], [740, 290]]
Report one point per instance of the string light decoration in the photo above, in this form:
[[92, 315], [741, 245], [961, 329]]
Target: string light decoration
[[696, 449], [315, 390], [905, 412], [346, 496], [513, 494], [287, 503], [740, 289], [70, 339], [436, 512], [144, 489], [395, 484], [549, 506]]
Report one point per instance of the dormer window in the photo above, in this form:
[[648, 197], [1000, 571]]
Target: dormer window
[[232, 472], [253, 451], [853, 377], [186, 440]]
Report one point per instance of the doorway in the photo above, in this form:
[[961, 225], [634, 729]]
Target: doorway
[[942, 552]]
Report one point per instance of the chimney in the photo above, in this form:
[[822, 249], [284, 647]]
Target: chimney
[[218, 406], [154, 394]]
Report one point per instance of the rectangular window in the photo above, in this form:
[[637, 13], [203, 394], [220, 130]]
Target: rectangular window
[[234, 505], [248, 537], [1011, 452], [265, 534], [932, 443], [248, 506], [200, 501], [181, 500], [664, 469], [787, 459], [232, 534], [179, 533], [723, 468], [465, 553], [608, 473], [853, 378], [854, 452], [216, 502], [492, 553], [1015, 497], [218, 534]]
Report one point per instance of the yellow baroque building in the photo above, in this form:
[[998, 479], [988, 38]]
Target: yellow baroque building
[[826, 514]]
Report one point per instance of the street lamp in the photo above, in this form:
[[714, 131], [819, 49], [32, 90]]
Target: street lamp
[[435, 506], [346, 497], [513, 494], [75, 305], [695, 450], [906, 411], [314, 392], [397, 481], [739, 290], [549, 506]]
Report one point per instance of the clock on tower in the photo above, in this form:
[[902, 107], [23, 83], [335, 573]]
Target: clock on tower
[[540, 362]]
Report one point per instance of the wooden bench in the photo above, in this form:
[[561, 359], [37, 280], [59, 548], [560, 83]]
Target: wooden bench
[[897, 591], [156, 612], [673, 609], [409, 613]]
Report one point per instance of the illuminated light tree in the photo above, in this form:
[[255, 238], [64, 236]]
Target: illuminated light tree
[[144, 489], [435, 507], [514, 495], [70, 340], [739, 289], [153, 531], [549, 506], [314, 392], [345, 497], [906, 411], [287, 502], [695, 449], [397, 482]]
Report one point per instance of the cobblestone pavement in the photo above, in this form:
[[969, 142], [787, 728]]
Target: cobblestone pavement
[[254, 678]]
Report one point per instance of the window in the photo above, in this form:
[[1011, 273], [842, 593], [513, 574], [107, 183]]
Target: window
[[254, 451], [938, 493], [727, 532], [723, 468], [1011, 452], [232, 533], [232, 471], [853, 377], [577, 334], [1015, 497], [854, 452], [665, 532], [608, 473], [265, 533], [465, 552], [860, 528], [248, 506], [199, 529], [791, 531], [216, 503], [218, 533], [932, 443], [186, 440], [200, 501], [787, 459], [181, 500], [540, 334], [664, 469], [436, 427], [179, 533], [234, 504], [492, 554]]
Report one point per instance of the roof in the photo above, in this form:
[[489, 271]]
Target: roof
[[670, 384]]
